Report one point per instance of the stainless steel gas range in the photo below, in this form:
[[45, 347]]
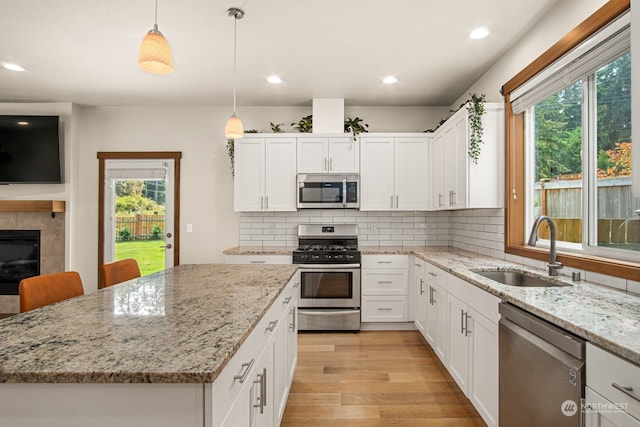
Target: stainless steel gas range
[[329, 263]]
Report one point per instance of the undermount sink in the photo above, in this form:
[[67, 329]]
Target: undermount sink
[[518, 278]]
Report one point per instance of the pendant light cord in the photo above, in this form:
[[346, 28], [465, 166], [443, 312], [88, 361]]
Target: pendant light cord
[[235, 60]]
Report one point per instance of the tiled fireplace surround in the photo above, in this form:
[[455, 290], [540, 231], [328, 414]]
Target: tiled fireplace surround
[[52, 243]]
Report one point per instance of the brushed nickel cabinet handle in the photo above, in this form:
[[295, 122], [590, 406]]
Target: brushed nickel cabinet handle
[[272, 326], [247, 367], [287, 300], [626, 390]]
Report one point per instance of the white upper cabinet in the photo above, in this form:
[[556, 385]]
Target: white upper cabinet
[[328, 155], [394, 173], [457, 181], [265, 174]]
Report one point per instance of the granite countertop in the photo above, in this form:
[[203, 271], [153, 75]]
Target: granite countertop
[[604, 316], [259, 250], [181, 325]]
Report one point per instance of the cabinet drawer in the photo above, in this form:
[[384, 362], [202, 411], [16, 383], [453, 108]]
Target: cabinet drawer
[[385, 261], [436, 275], [384, 309], [258, 259], [481, 301], [384, 282], [419, 265], [607, 373], [226, 388]]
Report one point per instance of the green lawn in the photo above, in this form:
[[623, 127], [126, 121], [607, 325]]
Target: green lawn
[[148, 253]]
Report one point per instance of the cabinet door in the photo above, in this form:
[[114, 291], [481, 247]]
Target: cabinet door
[[411, 174], [598, 412], [280, 174], [376, 174], [483, 360], [261, 390], [458, 343], [440, 301], [248, 188], [280, 368], [460, 185], [437, 172], [312, 155], [344, 155], [421, 308]]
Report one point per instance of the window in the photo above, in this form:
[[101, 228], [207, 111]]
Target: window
[[565, 160], [569, 148]]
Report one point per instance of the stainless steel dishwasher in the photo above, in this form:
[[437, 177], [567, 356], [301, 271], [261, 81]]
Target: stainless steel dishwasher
[[542, 372]]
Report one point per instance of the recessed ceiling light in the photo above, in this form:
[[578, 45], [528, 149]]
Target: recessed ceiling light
[[12, 67], [389, 80], [479, 33], [23, 123], [274, 80]]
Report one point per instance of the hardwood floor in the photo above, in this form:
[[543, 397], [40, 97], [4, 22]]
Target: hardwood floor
[[386, 378]]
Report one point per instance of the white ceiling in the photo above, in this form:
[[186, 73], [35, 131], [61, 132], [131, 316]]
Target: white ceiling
[[85, 51]]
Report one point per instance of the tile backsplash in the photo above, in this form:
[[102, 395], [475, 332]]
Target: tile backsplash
[[479, 230]]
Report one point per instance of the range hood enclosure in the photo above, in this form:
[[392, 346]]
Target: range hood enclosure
[[328, 115]]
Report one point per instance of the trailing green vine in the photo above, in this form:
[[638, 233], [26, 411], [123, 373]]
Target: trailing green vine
[[475, 108], [231, 152]]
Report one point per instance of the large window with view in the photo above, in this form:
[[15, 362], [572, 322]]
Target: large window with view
[[570, 150], [579, 153]]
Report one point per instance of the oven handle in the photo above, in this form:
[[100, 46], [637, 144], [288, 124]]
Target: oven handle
[[327, 266], [304, 311]]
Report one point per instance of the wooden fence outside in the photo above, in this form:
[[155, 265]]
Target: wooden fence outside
[[139, 227], [618, 221]]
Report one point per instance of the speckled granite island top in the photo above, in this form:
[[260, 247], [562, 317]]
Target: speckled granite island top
[[181, 325]]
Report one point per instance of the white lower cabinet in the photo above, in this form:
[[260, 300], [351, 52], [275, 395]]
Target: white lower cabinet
[[437, 328], [421, 296], [252, 389], [612, 396], [473, 345], [384, 288]]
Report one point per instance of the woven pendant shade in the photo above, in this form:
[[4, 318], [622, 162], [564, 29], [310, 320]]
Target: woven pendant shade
[[155, 55], [234, 129]]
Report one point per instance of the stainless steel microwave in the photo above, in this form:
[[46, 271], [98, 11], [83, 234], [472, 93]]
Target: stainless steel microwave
[[322, 191]]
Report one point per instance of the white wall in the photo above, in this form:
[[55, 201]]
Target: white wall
[[555, 24]]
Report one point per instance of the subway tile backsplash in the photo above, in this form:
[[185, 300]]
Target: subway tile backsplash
[[481, 231], [476, 230]]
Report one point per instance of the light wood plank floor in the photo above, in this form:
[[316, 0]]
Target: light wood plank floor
[[386, 378]]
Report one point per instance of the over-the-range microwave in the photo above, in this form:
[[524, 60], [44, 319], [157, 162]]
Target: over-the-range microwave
[[322, 191]]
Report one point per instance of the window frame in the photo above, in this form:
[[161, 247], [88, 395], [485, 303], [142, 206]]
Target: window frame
[[515, 147]]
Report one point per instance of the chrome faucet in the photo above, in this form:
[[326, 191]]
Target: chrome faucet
[[554, 265]]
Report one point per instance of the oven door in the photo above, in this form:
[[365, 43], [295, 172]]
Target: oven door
[[329, 286]]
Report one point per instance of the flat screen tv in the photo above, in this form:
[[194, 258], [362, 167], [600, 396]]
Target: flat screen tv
[[30, 150]]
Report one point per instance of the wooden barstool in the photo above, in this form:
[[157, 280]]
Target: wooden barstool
[[119, 271], [46, 289]]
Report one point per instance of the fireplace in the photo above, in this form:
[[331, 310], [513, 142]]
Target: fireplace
[[19, 258]]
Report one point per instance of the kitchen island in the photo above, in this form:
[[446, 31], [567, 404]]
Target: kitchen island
[[145, 352]]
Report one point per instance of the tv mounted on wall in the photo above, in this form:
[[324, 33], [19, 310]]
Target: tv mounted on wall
[[30, 150]]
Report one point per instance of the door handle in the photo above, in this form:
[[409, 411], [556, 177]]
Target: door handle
[[272, 326], [392, 201], [421, 289], [168, 246], [261, 203], [292, 325], [330, 164], [266, 202], [396, 201], [325, 164], [431, 300], [287, 300]]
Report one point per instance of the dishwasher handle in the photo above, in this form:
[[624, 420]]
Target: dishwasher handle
[[567, 342]]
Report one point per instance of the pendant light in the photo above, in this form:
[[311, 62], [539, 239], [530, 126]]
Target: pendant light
[[155, 56], [234, 129]]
